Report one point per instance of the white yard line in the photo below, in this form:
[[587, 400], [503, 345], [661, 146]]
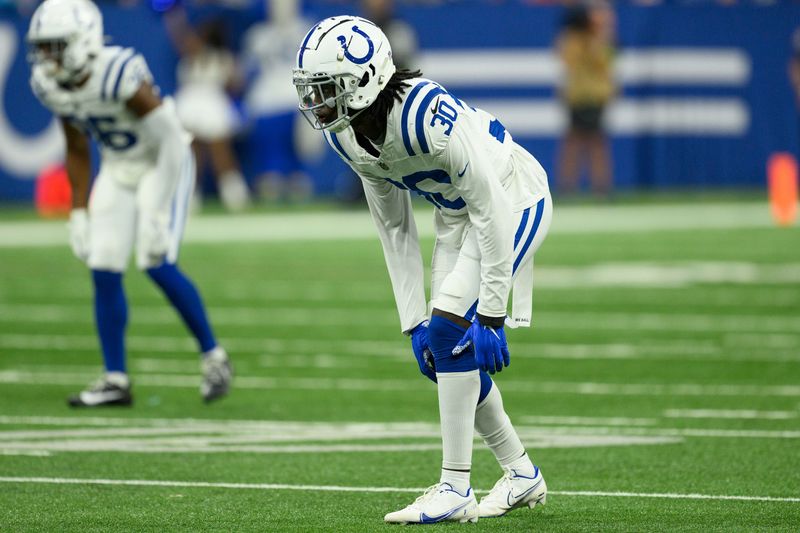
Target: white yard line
[[278, 431], [589, 420], [28, 453], [341, 488], [148, 447], [579, 219], [394, 385], [779, 349], [269, 291], [250, 317], [732, 414]]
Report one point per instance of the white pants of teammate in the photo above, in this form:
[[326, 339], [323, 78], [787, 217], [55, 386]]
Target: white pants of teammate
[[456, 265], [113, 218]]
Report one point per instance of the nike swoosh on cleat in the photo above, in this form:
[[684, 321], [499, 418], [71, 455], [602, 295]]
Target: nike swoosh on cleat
[[511, 497], [463, 171], [425, 519]]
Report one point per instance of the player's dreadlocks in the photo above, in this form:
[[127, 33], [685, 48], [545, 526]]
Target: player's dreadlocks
[[394, 90]]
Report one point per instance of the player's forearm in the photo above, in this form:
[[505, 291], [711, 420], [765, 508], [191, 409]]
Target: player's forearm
[[404, 262], [497, 253], [490, 212], [156, 190], [78, 165], [391, 211]]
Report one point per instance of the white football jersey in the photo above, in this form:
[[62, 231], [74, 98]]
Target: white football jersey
[[464, 162], [98, 108], [419, 153]]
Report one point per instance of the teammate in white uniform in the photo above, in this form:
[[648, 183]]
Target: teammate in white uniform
[[403, 133], [142, 190]]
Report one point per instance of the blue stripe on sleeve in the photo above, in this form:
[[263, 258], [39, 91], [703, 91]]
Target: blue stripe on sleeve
[[119, 75], [404, 119], [110, 65], [423, 107], [537, 219], [497, 130]]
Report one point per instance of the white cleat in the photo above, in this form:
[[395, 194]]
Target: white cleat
[[217, 375], [514, 490], [105, 392], [439, 503]]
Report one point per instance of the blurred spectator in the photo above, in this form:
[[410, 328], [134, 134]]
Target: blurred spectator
[[586, 49], [279, 141], [206, 72], [794, 66], [401, 35]]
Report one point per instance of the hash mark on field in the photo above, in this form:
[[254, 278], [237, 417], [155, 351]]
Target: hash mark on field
[[341, 488]]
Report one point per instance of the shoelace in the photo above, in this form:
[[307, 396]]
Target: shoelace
[[507, 477], [99, 385], [430, 491]]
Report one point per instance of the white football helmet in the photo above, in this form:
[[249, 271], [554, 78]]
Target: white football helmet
[[64, 37], [343, 63]]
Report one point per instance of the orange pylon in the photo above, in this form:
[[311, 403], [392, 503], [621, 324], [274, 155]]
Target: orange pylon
[[782, 181]]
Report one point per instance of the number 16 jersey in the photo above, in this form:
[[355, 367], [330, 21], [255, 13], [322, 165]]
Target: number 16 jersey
[[98, 109]]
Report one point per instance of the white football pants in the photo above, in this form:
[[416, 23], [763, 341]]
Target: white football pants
[[456, 270], [113, 219]]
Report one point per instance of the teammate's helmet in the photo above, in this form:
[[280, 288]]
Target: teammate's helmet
[[343, 62], [64, 37]]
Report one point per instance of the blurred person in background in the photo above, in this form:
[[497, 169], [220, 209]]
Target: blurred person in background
[[401, 133], [140, 194], [279, 143], [794, 67], [401, 35], [586, 48], [207, 71]]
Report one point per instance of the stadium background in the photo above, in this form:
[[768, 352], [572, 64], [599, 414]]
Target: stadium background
[[658, 389], [705, 93]]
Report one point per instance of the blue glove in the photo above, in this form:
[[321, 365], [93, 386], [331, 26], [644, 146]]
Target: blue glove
[[419, 343], [488, 342]]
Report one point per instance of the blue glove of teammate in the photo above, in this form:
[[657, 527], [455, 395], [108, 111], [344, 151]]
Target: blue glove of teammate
[[419, 343], [488, 340]]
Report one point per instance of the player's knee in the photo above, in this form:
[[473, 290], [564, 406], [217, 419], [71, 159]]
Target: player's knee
[[163, 273], [108, 256], [443, 336], [106, 278]]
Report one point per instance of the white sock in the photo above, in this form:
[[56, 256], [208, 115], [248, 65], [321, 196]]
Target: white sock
[[522, 465], [458, 394], [120, 379], [457, 479], [217, 352], [492, 423]]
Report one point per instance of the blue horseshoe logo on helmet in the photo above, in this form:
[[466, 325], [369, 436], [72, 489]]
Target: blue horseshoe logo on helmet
[[348, 55]]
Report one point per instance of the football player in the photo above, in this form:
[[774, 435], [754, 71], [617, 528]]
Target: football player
[[140, 194], [402, 133]]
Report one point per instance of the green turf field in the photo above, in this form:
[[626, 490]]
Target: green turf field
[[658, 391]]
